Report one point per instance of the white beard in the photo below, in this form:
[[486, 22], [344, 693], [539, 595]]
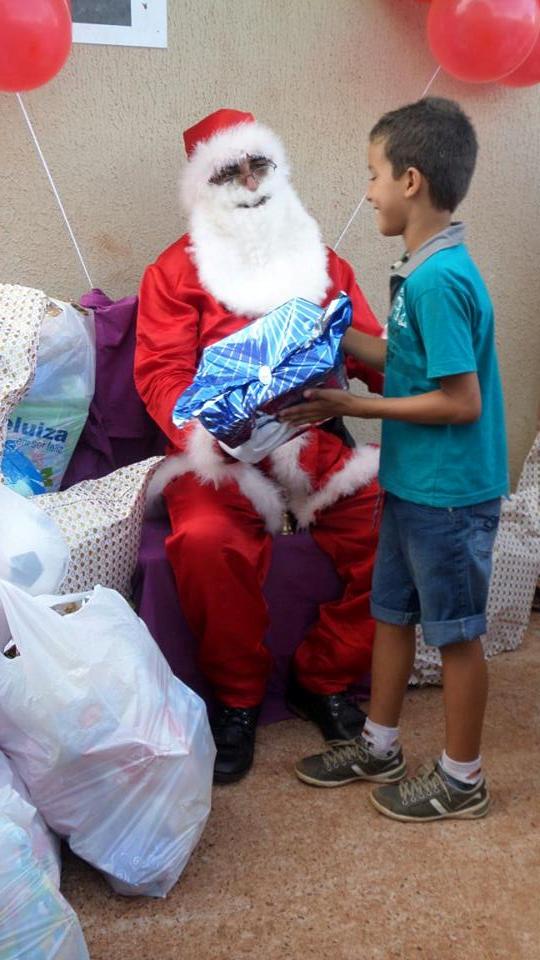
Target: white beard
[[253, 260]]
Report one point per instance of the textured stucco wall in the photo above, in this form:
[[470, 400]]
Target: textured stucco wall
[[320, 73]]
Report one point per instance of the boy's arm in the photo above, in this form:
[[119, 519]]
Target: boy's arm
[[457, 401], [366, 348], [364, 331]]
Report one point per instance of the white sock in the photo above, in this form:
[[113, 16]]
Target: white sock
[[382, 740], [469, 773]]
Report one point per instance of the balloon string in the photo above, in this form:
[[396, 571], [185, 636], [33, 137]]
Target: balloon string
[[350, 221], [53, 186], [65, 216], [434, 77], [359, 206]]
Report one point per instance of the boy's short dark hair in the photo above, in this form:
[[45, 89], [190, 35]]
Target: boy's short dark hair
[[436, 137]]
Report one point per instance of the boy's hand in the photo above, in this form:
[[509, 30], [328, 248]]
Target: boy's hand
[[321, 405]]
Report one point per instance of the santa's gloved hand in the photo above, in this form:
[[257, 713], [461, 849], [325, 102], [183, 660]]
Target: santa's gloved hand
[[227, 453], [264, 438]]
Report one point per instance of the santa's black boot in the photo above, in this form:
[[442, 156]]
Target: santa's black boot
[[337, 717], [234, 735]]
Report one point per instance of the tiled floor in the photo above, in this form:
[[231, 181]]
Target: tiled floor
[[288, 872]]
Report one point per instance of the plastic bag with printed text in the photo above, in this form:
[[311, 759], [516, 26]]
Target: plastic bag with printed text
[[47, 423]]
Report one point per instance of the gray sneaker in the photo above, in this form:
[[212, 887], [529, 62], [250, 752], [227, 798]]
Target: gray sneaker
[[431, 795], [350, 760]]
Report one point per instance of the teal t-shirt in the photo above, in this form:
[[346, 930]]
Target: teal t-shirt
[[441, 323]]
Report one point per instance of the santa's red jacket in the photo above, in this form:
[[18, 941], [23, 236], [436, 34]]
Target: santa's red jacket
[[177, 319]]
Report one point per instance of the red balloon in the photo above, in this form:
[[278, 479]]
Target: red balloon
[[529, 71], [35, 40], [482, 40]]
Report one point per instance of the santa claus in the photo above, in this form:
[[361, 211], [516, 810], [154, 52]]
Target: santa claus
[[252, 246]]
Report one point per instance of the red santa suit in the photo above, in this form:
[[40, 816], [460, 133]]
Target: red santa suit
[[246, 253]]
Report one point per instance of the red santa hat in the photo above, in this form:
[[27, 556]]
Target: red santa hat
[[223, 138], [211, 125]]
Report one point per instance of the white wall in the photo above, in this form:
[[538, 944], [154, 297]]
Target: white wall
[[320, 73]]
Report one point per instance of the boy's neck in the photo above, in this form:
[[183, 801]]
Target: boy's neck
[[423, 226]]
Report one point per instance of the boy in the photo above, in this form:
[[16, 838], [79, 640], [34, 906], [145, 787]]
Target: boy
[[443, 467]]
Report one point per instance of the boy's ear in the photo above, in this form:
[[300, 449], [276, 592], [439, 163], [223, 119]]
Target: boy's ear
[[413, 181]]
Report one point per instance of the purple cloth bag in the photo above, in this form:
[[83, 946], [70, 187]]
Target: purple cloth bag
[[118, 430]]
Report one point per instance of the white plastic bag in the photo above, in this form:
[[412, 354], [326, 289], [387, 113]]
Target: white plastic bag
[[36, 923], [15, 802], [33, 552], [266, 436], [48, 421], [116, 752]]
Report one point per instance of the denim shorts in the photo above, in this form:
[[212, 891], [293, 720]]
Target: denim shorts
[[433, 567]]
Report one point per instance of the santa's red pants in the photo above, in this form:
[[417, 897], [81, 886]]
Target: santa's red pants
[[220, 552]]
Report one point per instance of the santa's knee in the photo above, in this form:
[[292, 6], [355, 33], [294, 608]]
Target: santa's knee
[[207, 542], [200, 534]]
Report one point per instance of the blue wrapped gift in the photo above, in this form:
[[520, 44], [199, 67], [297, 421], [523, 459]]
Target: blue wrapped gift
[[244, 380]]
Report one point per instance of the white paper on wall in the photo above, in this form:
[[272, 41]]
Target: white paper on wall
[[124, 23]]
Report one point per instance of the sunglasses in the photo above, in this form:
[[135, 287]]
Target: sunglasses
[[257, 167]]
